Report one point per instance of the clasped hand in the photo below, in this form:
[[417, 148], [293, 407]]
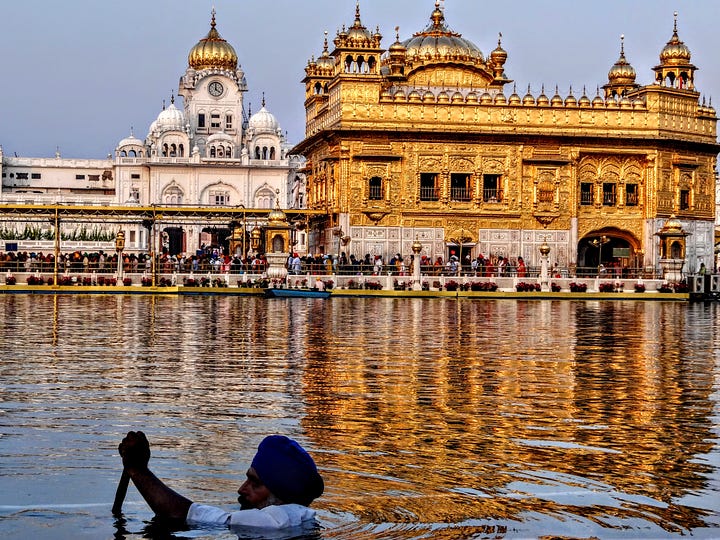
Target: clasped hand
[[135, 450]]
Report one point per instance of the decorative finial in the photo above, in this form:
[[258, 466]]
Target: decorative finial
[[357, 11], [397, 33], [499, 38], [131, 132], [675, 15], [263, 100], [172, 98], [212, 20], [163, 105], [584, 90], [570, 94], [622, 44]]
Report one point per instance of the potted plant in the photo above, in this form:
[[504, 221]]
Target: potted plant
[[606, 287], [639, 287], [10, 280], [578, 287], [554, 287], [451, 285], [127, 281]]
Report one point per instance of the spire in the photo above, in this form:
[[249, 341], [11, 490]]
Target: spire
[[263, 100]]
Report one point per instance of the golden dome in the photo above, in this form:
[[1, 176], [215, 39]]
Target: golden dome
[[499, 55], [213, 52], [622, 72], [437, 41], [276, 216], [529, 99], [542, 99], [675, 51]]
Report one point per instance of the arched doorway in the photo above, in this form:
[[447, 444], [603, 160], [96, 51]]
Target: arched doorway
[[216, 239], [609, 251], [173, 241]]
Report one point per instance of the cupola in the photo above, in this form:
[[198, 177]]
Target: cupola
[[213, 52]]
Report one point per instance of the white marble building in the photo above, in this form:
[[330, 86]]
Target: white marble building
[[206, 152]]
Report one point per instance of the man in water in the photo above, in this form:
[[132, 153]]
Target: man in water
[[281, 483]]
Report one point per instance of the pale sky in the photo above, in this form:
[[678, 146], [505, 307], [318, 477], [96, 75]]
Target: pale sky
[[78, 74]]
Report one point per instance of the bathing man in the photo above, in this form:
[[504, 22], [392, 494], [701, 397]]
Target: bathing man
[[281, 482]]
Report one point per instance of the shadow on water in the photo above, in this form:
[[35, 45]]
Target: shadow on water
[[427, 418]]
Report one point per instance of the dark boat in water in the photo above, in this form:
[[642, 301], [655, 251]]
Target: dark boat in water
[[296, 293]]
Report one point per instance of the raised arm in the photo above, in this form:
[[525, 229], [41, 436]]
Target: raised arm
[[166, 503]]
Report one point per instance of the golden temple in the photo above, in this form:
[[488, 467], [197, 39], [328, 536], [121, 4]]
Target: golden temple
[[429, 140]]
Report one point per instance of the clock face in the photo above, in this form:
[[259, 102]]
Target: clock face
[[215, 88]]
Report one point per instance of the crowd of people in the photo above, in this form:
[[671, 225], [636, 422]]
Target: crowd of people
[[213, 260]]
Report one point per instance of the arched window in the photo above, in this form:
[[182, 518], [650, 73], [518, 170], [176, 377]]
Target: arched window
[[546, 191], [265, 152], [165, 150], [361, 65], [123, 153], [181, 150], [348, 64], [173, 195], [272, 152], [372, 64], [375, 189], [257, 152], [220, 152], [212, 151], [173, 150], [318, 88], [132, 153]]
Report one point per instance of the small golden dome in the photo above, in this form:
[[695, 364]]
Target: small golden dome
[[556, 100], [499, 55], [542, 99], [443, 97], [514, 98], [622, 72], [672, 225], [570, 101], [584, 101], [486, 98], [500, 98], [598, 101], [326, 61], [675, 51], [414, 96], [458, 98], [429, 97], [472, 97], [213, 52], [529, 99], [277, 216]]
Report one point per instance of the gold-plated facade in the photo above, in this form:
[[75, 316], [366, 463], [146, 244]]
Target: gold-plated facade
[[422, 142]]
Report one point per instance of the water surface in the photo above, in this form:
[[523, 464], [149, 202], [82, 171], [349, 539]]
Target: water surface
[[428, 418]]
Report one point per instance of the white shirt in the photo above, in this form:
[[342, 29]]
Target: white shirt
[[270, 517]]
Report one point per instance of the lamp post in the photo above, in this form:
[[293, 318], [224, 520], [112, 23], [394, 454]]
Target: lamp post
[[416, 249], [599, 243], [544, 252], [119, 247]]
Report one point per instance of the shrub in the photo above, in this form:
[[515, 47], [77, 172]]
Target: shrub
[[665, 288], [373, 285], [35, 280], [681, 287], [606, 287], [527, 287], [451, 285], [578, 287], [10, 280], [554, 287], [639, 287], [146, 281], [127, 281]]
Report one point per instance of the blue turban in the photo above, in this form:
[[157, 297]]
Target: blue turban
[[287, 470]]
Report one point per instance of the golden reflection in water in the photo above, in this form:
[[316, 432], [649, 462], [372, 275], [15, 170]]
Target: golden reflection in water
[[418, 411]]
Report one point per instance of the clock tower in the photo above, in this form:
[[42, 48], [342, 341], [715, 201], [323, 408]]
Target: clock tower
[[212, 89]]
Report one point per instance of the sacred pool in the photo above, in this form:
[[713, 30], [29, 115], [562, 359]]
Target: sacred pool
[[428, 418]]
